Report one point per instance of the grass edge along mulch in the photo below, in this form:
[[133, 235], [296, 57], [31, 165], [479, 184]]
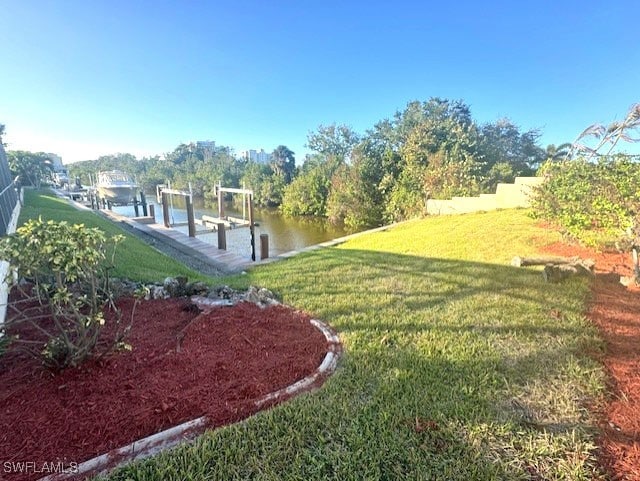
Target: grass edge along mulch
[[457, 366], [615, 310]]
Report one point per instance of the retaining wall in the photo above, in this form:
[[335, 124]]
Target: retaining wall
[[507, 196]]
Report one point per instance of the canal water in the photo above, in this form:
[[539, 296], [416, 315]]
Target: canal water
[[285, 233]]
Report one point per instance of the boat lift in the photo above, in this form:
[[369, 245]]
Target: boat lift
[[220, 224]]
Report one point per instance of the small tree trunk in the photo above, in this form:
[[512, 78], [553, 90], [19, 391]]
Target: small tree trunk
[[543, 261], [558, 268], [557, 273]]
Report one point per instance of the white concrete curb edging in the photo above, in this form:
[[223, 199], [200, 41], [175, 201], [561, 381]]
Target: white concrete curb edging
[[188, 431], [327, 366]]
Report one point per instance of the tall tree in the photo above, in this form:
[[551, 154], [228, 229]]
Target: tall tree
[[33, 168], [333, 140], [283, 163], [439, 143], [502, 141], [555, 153], [506, 152]]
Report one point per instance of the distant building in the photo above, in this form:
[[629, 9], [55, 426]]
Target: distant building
[[206, 144], [261, 157]]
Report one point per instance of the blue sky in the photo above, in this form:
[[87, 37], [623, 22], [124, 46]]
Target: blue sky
[[87, 78]]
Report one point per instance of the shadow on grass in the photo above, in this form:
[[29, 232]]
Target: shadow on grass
[[452, 370]]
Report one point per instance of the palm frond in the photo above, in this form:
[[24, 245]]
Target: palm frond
[[595, 130]]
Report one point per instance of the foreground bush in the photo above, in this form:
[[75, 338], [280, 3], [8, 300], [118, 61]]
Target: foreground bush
[[62, 286]]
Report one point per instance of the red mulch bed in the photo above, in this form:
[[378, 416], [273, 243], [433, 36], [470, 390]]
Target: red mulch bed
[[615, 309], [228, 358]]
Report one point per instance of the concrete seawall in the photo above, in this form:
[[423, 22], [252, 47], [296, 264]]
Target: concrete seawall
[[507, 196]]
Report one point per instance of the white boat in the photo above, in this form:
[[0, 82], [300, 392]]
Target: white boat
[[116, 187]]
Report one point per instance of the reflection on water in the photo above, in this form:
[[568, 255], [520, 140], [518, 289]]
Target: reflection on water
[[285, 233]]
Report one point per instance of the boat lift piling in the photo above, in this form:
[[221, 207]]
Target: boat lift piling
[[213, 224], [248, 195]]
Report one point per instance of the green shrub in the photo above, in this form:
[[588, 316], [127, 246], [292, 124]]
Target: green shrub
[[593, 202], [67, 268], [307, 194]]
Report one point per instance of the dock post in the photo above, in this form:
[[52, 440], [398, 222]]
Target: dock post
[[152, 211], [143, 201], [190, 217], [252, 228], [220, 202], [264, 246], [165, 209], [135, 206], [222, 236]]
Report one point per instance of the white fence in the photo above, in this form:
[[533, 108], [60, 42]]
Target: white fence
[[10, 203]]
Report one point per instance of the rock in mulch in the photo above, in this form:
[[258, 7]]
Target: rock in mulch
[[181, 287]]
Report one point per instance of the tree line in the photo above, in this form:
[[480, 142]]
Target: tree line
[[431, 149]]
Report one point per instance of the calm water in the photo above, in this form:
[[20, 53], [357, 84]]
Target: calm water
[[285, 234]]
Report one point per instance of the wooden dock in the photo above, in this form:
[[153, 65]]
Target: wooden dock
[[223, 260]]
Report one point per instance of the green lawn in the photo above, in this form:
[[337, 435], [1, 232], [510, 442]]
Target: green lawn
[[134, 259], [456, 367]]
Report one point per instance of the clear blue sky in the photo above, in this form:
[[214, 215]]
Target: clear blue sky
[[87, 78]]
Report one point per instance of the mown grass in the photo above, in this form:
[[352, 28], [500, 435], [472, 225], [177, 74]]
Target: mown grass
[[134, 259], [456, 366]]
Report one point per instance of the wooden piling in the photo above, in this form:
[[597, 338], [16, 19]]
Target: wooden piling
[[143, 201], [222, 236], [152, 211], [264, 246], [252, 227], [190, 217], [135, 207], [220, 203], [165, 209]]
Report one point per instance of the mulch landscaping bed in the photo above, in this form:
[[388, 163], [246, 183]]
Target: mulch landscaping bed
[[184, 364], [615, 310]]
